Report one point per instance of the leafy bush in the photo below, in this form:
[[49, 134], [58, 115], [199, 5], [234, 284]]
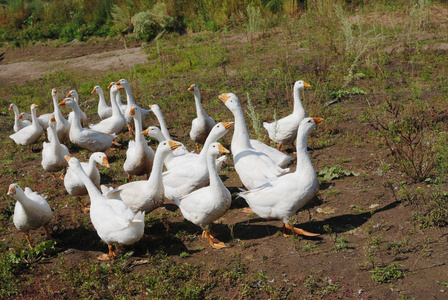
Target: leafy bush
[[329, 173]]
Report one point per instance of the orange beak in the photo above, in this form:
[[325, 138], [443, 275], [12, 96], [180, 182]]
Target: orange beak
[[68, 95], [191, 88], [110, 85], [62, 102], [174, 145], [224, 97], [11, 107], [132, 111], [106, 162], [306, 85], [317, 120], [222, 149], [227, 125], [35, 106], [67, 158], [12, 190], [94, 90], [145, 132], [54, 91], [20, 117], [52, 119]]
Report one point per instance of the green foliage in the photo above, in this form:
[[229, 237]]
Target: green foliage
[[343, 93], [328, 173], [387, 274]]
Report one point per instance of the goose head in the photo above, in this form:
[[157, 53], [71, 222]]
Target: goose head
[[154, 132], [123, 83], [97, 89], [220, 129], [73, 162], [69, 102], [155, 109], [13, 107], [194, 89], [52, 122], [34, 107], [216, 148], [54, 92], [73, 94], [307, 124], [300, 85], [101, 158], [111, 84], [231, 101], [13, 189]]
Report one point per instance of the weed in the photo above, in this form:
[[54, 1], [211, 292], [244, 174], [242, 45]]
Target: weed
[[340, 244], [256, 119], [372, 249], [309, 246], [412, 137], [184, 254], [329, 173], [387, 274]]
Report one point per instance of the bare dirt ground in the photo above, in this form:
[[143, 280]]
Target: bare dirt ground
[[361, 208], [24, 64]]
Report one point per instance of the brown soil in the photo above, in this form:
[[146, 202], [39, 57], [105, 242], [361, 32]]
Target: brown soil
[[255, 242]]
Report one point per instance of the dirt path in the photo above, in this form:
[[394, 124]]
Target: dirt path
[[21, 65]]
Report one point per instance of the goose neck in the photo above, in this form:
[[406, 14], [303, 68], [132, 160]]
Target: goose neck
[[298, 106], [240, 136]]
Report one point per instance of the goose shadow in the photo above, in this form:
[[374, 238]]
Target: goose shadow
[[346, 222]]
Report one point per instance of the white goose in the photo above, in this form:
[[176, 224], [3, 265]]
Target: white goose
[[30, 134], [53, 152], [19, 122], [115, 123], [113, 220], [75, 186], [145, 195], [123, 83], [284, 131], [283, 197], [85, 138], [253, 167], [193, 173], [24, 116], [201, 126], [74, 94], [139, 156], [62, 125], [121, 105], [104, 110], [31, 211], [209, 203]]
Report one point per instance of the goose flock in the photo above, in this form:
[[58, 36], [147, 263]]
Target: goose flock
[[173, 173]]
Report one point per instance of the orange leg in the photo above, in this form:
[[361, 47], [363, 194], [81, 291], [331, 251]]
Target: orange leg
[[47, 231], [197, 148], [131, 130], [214, 245], [129, 178], [28, 239], [247, 210], [110, 256], [287, 229], [279, 146], [85, 208]]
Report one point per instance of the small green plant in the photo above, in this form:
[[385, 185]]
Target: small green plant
[[340, 244], [334, 172], [387, 274], [309, 246], [184, 254], [343, 93]]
